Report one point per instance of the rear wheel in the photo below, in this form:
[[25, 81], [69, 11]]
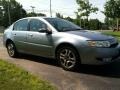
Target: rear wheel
[[68, 58], [11, 49]]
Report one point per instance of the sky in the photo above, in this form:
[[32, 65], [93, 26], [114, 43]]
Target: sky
[[65, 7]]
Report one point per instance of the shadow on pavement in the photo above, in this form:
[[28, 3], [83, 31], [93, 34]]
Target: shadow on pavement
[[39, 59], [109, 70]]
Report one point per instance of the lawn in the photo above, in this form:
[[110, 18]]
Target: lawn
[[14, 78], [115, 34]]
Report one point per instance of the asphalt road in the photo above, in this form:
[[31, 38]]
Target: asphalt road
[[88, 77]]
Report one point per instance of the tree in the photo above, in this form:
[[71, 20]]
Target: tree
[[32, 14], [41, 14], [1, 15], [78, 19], [95, 24], [112, 10], [69, 19], [59, 15], [85, 8], [110, 22], [12, 11]]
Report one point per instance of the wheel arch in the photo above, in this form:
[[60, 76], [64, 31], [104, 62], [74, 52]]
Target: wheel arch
[[66, 44], [8, 41]]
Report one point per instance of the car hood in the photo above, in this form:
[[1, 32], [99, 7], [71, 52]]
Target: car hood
[[92, 35]]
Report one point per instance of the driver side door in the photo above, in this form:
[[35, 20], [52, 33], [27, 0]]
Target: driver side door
[[39, 43]]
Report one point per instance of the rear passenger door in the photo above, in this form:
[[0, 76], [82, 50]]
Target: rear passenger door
[[19, 34]]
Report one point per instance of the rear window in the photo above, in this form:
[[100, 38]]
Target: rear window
[[21, 25]]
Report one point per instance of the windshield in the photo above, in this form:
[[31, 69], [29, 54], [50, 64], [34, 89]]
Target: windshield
[[62, 25]]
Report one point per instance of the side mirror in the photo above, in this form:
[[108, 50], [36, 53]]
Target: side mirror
[[49, 31], [45, 30], [42, 30]]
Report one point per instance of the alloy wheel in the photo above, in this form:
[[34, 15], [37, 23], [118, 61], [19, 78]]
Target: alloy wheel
[[67, 58]]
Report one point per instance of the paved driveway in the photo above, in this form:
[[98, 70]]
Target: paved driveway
[[88, 77]]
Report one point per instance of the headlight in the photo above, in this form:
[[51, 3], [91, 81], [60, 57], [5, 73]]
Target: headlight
[[99, 43]]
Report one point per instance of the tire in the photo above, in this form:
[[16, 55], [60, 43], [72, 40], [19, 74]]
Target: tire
[[11, 49], [68, 58]]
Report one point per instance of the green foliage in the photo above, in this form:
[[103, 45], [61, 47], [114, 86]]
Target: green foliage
[[12, 8], [112, 12], [77, 21], [85, 8], [69, 19], [1, 15], [112, 9], [95, 24], [41, 14], [110, 22], [35, 14], [13, 78], [59, 15]]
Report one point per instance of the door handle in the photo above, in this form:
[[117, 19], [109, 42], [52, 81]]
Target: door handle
[[14, 34], [31, 35]]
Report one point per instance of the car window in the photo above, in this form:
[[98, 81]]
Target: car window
[[21, 25], [62, 25], [36, 25]]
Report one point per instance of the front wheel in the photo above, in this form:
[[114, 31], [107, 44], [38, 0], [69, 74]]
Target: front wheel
[[11, 49], [68, 58]]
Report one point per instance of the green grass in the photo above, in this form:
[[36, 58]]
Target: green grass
[[115, 34], [14, 78]]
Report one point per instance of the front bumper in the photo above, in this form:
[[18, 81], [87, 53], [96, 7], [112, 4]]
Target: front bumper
[[93, 55]]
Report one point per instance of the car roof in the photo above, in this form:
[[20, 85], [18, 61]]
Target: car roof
[[38, 17]]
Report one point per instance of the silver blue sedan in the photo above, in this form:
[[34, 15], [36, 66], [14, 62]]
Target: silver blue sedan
[[60, 39]]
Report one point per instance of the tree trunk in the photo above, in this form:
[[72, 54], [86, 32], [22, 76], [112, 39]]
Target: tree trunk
[[84, 23], [117, 24], [87, 23], [80, 22]]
